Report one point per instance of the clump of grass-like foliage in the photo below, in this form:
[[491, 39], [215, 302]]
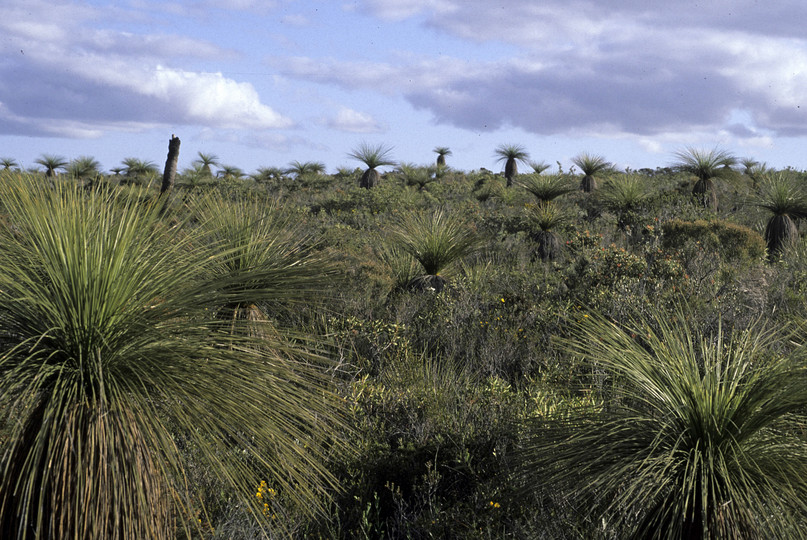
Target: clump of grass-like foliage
[[787, 202], [437, 240], [108, 335], [701, 436]]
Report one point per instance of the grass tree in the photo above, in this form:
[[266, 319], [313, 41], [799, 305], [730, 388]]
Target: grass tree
[[110, 354], [787, 203], [539, 166], [207, 162], [137, 171], [442, 152], [307, 168], [84, 168], [413, 175], [265, 175], [230, 172], [52, 163], [699, 435], [547, 217], [8, 163], [546, 188], [706, 166], [625, 195], [438, 241], [511, 155], [748, 165], [372, 157], [592, 167]]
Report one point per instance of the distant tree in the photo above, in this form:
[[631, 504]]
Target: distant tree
[[373, 157], [229, 172], [307, 168], [8, 163], [591, 166], [137, 170], [116, 170], [84, 168], [706, 167], [442, 152], [748, 165], [413, 175], [53, 164], [511, 154], [207, 161], [539, 166], [268, 174]]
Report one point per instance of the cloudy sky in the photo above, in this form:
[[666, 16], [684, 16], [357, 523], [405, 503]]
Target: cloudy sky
[[264, 83]]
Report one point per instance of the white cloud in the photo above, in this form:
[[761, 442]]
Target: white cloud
[[353, 121], [82, 80]]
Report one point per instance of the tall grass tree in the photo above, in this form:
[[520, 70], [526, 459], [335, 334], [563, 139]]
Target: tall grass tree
[[787, 202], [372, 157], [52, 163], [442, 152], [511, 155], [592, 166], [207, 162], [699, 435], [706, 167], [108, 336]]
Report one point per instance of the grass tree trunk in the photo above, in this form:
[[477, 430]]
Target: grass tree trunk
[[369, 179], [441, 160], [170, 164], [780, 232], [510, 171], [588, 184], [704, 192]]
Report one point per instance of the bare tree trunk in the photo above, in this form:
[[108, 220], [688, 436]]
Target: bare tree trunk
[[170, 164]]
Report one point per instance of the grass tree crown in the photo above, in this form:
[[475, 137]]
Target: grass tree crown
[[511, 155], [706, 166], [591, 166], [437, 240], [372, 157]]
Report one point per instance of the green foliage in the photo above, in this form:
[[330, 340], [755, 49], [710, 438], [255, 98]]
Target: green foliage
[[702, 436], [546, 188], [113, 362], [787, 201], [730, 242], [437, 240], [53, 164], [373, 156]]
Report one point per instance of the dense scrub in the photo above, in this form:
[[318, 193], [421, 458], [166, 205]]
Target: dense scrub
[[465, 363]]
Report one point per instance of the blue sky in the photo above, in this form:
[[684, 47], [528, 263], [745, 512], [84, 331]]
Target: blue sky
[[265, 83]]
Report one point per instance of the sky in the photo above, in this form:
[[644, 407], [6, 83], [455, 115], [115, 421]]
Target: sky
[[263, 83]]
